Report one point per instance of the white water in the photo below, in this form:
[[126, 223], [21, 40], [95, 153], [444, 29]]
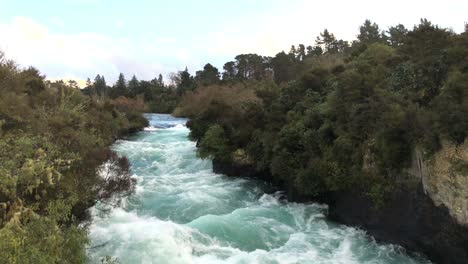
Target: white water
[[183, 213]]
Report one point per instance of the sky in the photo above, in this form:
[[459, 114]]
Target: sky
[[77, 39]]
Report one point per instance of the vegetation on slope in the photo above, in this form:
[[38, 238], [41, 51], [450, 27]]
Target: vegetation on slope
[[54, 141], [337, 115]]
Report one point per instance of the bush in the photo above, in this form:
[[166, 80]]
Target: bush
[[54, 142]]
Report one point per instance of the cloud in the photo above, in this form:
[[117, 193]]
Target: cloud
[[165, 40], [294, 22], [30, 43], [138, 48], [75, 56], [82, 2]]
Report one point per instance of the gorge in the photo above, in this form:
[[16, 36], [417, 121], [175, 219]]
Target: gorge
[[182, 212]]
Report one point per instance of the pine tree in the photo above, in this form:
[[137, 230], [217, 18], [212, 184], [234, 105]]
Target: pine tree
[[160, 80], [209, 75], [396, 35], [100, 86], [185, 82], [120, 87], [301, 53], [230, 71], [369, 33], [133, 86], [328, 41]]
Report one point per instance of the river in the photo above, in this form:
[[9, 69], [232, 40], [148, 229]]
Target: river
[[182, 212]]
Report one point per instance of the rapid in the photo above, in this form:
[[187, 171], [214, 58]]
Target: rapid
[[182, 212]]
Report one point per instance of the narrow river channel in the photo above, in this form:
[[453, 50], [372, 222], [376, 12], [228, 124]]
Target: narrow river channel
[[182, 212]]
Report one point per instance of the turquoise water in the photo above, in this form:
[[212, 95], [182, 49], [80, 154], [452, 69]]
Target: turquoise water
[[184, 213]]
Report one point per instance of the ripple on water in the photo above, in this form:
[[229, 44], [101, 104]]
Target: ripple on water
[[183, 213]]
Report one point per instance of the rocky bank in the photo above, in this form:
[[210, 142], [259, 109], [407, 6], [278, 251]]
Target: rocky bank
[[427, 213]]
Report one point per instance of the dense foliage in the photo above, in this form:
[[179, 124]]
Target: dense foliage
[[337, 115], [55, 163]]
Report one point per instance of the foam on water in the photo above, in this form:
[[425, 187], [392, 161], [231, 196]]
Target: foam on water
[[182, 212]]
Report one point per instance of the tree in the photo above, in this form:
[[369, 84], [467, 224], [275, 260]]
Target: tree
[[283, 67], [247, 67], [293, 52], [452, 107], [88, 89], [328, 41], [133, 86], [301, 53], [315, 51], [230, 71], [369, 33], [208, 76], [184, 82], [396, 35], [251, 66], [160, 80], [120, 87], [243, 66], [425, 48], [214, 144], [342, 46], [100, 86]]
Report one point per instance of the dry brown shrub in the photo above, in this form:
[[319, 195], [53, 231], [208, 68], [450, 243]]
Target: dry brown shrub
[[236, 96], [327, 61], [127, 105]]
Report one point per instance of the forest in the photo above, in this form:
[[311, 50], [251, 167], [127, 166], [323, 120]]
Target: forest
[[336, 115]]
